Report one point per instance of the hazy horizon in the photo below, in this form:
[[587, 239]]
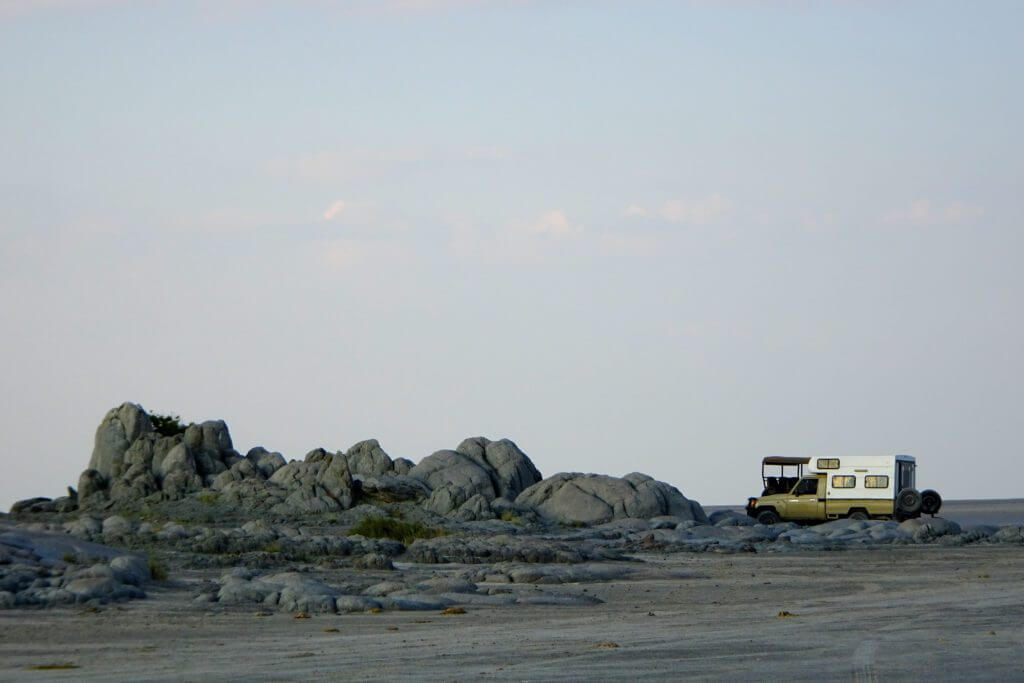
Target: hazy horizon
[[667, 237]]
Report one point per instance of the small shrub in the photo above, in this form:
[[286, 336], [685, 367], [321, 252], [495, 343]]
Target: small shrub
[[395, 529], [70, 558], [157, 570], [452, 611], [273, 547], [63, 666], [167, 425], [209, 497], [509, 516]]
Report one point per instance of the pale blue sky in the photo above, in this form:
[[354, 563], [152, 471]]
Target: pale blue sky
[[671, 237]]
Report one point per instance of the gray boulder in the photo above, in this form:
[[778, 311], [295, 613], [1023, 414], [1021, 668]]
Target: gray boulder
[[320, 483], [925, 530], [241, 470], [393, 488], [574, 498], [33, 505], [211, 447], [149, 450], [460, 472], [369, 459], [511, 471], [479, 467], [92, 487], [115, 434], [265, 461]]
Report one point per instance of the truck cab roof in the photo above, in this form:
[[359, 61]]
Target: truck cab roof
[[784, 460]]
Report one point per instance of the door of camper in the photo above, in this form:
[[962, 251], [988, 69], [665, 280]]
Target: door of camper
[[904, 474], [807, 499]]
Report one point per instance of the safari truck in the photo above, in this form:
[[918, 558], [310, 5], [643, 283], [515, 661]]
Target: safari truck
[[856, 487]]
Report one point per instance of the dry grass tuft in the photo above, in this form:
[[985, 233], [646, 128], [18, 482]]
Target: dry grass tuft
[[449, 611], [785, 615], [607, 645], [63, 666]]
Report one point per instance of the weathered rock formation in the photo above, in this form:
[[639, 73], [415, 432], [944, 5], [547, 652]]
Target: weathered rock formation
[[574, 498], [481, 479]]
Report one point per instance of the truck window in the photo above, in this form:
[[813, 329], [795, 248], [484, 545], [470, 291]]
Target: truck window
[[828, 463], [876, 481], [806, 487], [843, 481]]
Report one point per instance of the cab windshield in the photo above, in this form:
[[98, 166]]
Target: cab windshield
[[806, 487]]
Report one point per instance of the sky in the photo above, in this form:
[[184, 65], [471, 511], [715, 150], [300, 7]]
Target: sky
[[667, 237]]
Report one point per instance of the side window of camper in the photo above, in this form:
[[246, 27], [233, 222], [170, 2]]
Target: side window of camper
[[876, 481], [828, 463], [843, 481]]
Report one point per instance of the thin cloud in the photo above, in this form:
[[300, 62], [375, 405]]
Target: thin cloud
[[334, 210], [703, 211], [552, 234], [554, 224], [922, 212], [695, 211]]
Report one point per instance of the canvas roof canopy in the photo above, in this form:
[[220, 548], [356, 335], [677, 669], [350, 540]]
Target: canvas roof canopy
[[783, 460]]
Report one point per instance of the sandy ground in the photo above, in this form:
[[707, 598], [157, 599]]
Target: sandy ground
[[904, 613]]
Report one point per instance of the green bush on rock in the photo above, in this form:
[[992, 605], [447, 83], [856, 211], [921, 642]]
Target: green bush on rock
[[395, 529], [167, 425]]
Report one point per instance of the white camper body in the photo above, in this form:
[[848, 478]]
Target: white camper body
[[863, 478]]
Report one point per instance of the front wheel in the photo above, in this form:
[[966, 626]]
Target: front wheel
[[768, 517]]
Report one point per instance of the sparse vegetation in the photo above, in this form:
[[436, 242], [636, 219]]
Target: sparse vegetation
[[63, 666], [273, 547], [451, 611], [395, 529], [209, 497], [167, 425], [70, 558], [157, 570], [511, 517]]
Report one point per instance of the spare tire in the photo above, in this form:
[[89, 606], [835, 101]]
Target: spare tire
[[931, 501], [908, 501]]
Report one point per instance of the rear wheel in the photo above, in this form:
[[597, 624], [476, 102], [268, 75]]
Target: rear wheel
[[858, 514], [768, 517], [908, 502], [931, 501]]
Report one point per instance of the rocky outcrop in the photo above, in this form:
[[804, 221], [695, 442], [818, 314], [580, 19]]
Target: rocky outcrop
[[465, 482], [40, 569], [574, 498], [135, 464]]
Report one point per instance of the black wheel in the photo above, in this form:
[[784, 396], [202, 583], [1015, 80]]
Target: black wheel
[[858, 514], [768, 517], [908, 501], [931, 501]]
